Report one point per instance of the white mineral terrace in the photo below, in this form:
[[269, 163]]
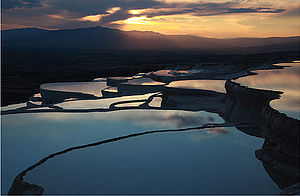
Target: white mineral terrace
[[173, 134], [286, 80], [214, 85], [103, 92], [92, 88], [143, 81]]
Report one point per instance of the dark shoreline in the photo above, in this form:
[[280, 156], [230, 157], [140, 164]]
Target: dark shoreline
[[23, 71]]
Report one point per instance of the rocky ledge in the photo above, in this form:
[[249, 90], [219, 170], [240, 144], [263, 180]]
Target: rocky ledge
[[280, 152]]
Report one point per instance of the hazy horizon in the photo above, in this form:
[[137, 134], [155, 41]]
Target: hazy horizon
[[150, 32]]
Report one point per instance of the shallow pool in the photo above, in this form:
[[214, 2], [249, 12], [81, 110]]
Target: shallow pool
[[286, 80], [210, 161]]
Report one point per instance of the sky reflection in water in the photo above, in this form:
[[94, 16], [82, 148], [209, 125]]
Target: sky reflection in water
[[102, 103], [29, 137], [93, 88], [211, 161], [286, 80], [214, 85], [217, 161], [162, 163]]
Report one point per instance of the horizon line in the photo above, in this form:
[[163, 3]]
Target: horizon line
[[50, 29]]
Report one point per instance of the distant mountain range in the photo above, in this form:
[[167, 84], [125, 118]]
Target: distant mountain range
[[106, 38]]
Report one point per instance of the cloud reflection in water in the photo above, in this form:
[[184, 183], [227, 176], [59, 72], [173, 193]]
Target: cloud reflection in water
[[197, 137], [286, 80]]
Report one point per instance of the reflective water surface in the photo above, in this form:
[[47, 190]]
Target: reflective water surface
[[93, 88], [100, 103], [175, 163], [214, 85], [286, 80], [217, 160]]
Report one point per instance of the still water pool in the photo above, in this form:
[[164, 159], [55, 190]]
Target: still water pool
[[210, 161], [286, 80]]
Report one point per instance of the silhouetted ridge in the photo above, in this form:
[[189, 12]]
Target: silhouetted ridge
[[18, 34], [106, 38]]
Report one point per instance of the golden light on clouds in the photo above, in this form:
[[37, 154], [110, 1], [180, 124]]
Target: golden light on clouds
[[96, 18], [113, 10], [207, 18], [56, 16], [246, 3], [92, 18], [137, 12], [135, 20], [215, 26], [231, 25]]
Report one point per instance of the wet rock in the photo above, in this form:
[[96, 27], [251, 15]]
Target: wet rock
[[113, 81], [52, 96], [139, 86], [244, 104], [283, 169], [19, 187], [240, 92], [280, 152], [291, 190], [282, 131], [193, 99]]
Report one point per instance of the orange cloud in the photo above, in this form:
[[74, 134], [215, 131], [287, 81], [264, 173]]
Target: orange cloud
[[96, 18], [56, 16], [92, 18], [135, 20]]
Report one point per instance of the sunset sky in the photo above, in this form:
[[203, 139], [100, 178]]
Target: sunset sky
[[207, 18]]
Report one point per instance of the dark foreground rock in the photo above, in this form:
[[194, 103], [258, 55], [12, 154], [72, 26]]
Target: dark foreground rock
[[20, 187], [292, 190], [280, 153]]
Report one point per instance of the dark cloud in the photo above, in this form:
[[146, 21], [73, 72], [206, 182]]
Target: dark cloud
[[119, 15], [263, 8], [66, 13], [10, 4], [274, 11], [239, 11], [93, 7], [206, 9], [251, 10], [7, 4], [167, 13], [75, 10]]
